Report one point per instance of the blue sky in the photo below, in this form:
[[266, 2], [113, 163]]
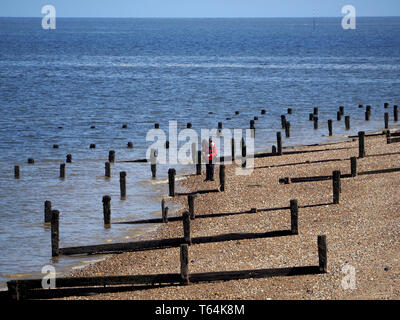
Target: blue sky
[[198, 8]]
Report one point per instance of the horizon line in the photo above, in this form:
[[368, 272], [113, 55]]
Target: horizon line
[[149, 17]]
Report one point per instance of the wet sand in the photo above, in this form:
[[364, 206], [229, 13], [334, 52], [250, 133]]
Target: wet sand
[[362, 231]]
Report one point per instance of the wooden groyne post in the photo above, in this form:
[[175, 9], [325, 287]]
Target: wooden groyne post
[[69, 158], [353, 166], [315, 122], [222, 177], [287, 129], [107, 210], [55, 233], [16, 172], [330, 127], [47, 211], [395, 113], [191, 198], [122, 184], [341, 109], [279, 142], [164, 211], [107, 170], [184, 255], [153, 163], [338, 116], [244, 154], [111, 156], [171, 182], [322, 254], [361, 144], [233, 149], [186, 227], [62, 171], [294, 216], [198, 164], [283, 121], [336, 186], [386, 120], [347, 122], [315, 111]]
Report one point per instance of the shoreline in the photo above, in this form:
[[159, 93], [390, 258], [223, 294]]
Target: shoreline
[[166, 260]]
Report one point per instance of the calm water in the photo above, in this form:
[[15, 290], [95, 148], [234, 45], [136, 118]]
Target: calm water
[[107, 72]]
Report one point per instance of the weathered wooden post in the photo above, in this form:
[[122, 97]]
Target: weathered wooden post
[[315, 111], [353, 166], [330, 127], [255, 118], [361, 144], [244, 154], [233, 149], [311, 116], [287, 129], [124, 126], [107, 170], [263, 111], [347, 122], [107, 210], [92, 146], [294, 216], [47, 211], [156, 126], [167, 144], [237, 112], [16, 172], [62, 170], [171, 182], [386, 120], [252, 124], [31, 161], [189, 125], [55, 146], [130, 145], [395, 113], [336, 186], [283, 121], [185, 263], [386, 105], [55, 234], [219, 125], [122, 184], [279, 142], [322, 254], [367, 115], [315, 122], [111, 156], [198, 164], [186, 227], [341, 109], [289, 110], [338, 116], [164, 211], [69, 158], [153, 163], [273, 149], [191, 198], [222, 177]]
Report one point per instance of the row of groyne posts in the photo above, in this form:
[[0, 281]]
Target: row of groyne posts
[[26, 289], [197, 156]]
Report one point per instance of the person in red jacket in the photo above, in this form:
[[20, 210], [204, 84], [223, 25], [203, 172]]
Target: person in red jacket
[[210, 154]]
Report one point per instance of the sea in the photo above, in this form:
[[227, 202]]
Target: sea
[[55, 85]]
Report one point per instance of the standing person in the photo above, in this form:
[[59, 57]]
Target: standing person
[[211, 153]]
